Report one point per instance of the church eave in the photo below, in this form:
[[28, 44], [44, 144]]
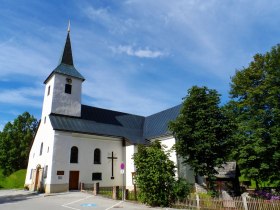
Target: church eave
[[55, 72], [91, 133], [168, 134]]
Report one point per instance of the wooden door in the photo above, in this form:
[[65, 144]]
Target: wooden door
[[74, 180], [37, 179]]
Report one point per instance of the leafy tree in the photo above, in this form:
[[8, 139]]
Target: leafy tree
[[203, 132], [255, 91], [15, 142], [154, 175]]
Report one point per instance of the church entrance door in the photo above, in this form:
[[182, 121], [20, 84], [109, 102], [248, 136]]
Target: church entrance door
[[74, 180], [37, 178]]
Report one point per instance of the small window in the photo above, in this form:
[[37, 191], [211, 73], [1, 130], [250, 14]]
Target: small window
[[46, 172], [30, 177], [97, 156], [68, 88], [74, 155], [41, 149], [49, 90], [48, 150], [45, 120], [96, 176]]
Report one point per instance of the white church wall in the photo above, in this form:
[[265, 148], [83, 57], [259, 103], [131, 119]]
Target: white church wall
[[64, 103], [86, 145], [48, 97], [45, 135], [130, 167]]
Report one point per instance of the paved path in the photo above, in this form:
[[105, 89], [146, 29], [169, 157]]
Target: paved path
[[24, 200]]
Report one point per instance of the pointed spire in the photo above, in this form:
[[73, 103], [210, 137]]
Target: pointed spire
[[66, 57], [66, 66]]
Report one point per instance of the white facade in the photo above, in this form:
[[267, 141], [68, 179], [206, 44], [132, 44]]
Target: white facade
[[56, 155]]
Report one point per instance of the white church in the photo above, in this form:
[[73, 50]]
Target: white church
[[76, 143]]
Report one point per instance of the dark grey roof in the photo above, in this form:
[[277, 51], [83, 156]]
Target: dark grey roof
[[105, 122], [227, 170], [66, 70], [110, 117], [157, 124], [64, 123]]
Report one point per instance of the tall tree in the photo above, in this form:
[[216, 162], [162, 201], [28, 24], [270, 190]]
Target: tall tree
[[155, 174], [255, 91], [203, 132], [15, 142]]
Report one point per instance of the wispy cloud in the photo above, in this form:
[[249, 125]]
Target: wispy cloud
[[141, 53], [108, 19], [22, 97], [20, 59]]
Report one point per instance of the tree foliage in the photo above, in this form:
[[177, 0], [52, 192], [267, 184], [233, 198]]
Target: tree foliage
[[154, 175], [255, 91], [15, 143], [203, 132]]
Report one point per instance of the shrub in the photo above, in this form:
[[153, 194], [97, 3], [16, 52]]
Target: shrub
[[181, 189]]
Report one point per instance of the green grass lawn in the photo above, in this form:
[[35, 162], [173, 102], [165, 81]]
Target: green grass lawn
[[14, 181]]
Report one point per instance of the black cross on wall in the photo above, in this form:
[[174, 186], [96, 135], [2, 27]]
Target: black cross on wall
[[112, 158]]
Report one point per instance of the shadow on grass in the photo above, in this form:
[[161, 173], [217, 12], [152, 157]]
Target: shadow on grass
[[16, 198]]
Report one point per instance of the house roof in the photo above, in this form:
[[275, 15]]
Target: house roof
[[137, 129], [227, 170]]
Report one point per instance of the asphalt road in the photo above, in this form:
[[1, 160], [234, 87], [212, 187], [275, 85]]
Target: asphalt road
[[24, 200]]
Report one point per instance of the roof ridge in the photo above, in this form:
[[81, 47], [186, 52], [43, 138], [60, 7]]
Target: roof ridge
[[164, 110]]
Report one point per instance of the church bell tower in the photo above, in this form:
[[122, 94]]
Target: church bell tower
[[63, 87]]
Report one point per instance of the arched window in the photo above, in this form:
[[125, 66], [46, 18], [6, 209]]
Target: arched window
[[74, 155], [41, 149], [97, 156]]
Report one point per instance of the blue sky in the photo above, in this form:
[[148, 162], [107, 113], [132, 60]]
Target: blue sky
[[138, 56]]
